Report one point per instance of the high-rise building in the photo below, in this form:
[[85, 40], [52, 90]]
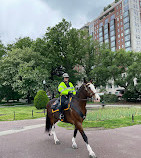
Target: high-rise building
[[119, 25]]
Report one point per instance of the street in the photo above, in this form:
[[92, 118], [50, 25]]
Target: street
[[27, 139]]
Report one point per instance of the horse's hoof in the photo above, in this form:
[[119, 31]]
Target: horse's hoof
[[74, 147], [57, 142], [92, 156]]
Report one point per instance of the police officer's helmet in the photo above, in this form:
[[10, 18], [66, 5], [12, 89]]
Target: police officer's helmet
[[65, 75]]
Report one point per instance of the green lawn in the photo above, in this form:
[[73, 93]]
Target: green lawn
[[109, 118], [21, 113]]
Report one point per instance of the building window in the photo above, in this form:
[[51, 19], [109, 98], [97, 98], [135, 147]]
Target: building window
[[121, 17], [113, 38], [112, 27], [120, 11], [119, 47], [121, 28], [122, 46], [100, 39], [126, 19], [107, 41], [117, 13], [126, 8], [113, 44], [117, 19], [113, 49], [127, 44], [106, 21], [119, 36], [112, 33], [128, 49], [125, 2], [106, 36], [122, 34], [117, 7], [100, 34], [127, 38], [101, 24], [118, 30], [126, 26], [100, 29], [126, 32], [121, 23], [105, 31], [111, 22], [105, 26], [112, 17]]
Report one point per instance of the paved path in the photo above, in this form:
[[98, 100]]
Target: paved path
[[30, 141]]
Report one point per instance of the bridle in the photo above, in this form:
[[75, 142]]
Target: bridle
[[88, 91]]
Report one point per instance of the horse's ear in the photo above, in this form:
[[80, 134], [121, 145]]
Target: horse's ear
[[91, 80], [85, 80]]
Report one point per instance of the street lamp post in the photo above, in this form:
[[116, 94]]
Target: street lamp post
[[44, 84]]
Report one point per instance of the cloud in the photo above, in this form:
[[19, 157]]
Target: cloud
[[20, 18], [88, 10]]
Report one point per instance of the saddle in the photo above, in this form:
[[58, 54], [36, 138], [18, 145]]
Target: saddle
[[56, 105]]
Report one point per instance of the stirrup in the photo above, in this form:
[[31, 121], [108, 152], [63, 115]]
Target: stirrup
[[61, 117]]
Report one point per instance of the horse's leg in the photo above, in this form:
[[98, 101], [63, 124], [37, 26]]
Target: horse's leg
[[54, 134], [74, 145], [91, 153]]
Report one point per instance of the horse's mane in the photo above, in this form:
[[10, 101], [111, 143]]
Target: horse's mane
[[79, 91]]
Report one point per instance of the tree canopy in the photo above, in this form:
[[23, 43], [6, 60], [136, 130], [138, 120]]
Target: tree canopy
[[26, 63]]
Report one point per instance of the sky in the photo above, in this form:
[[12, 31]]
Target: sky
[[22, 18]]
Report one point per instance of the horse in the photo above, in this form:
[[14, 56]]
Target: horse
[[75, 115]]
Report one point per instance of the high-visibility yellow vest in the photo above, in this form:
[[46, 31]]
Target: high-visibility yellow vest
[[63, 89]]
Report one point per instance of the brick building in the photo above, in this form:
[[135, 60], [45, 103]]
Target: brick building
[[119, 25]]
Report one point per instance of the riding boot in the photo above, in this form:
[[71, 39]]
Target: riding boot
[[61, 116]]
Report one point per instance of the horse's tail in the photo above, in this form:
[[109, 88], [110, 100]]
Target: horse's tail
[[48, 123]]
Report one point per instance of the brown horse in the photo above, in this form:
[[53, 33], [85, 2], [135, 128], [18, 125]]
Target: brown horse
[[75, 115]]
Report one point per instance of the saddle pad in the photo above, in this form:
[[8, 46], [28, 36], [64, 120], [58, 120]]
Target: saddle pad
[[56, 104]]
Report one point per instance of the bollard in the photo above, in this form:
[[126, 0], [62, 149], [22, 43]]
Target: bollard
[[32, 113], [132, 118], [102, 104], [14, 115]]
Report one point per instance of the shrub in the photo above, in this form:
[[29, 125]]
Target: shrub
[[109, 98], [41, 100]]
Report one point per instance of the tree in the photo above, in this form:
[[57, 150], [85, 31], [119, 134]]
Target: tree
[[63, 43], [23, 70], [21, 43], [101, 65], [2, 49]]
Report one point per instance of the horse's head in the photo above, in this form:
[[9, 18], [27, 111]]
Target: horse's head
[[91, 91]]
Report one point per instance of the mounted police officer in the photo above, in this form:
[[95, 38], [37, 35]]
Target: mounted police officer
[[66, 90]]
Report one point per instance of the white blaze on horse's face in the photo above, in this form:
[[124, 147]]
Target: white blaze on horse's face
[[97, 97], [91, 86]]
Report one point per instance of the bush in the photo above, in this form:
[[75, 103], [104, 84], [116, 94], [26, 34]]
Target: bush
[[41, 100], [109, 98]]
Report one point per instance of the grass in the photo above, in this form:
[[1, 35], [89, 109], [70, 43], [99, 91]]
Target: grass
[[21, 113], [109, 118]]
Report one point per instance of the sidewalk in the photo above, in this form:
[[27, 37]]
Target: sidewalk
[[113, 105]]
